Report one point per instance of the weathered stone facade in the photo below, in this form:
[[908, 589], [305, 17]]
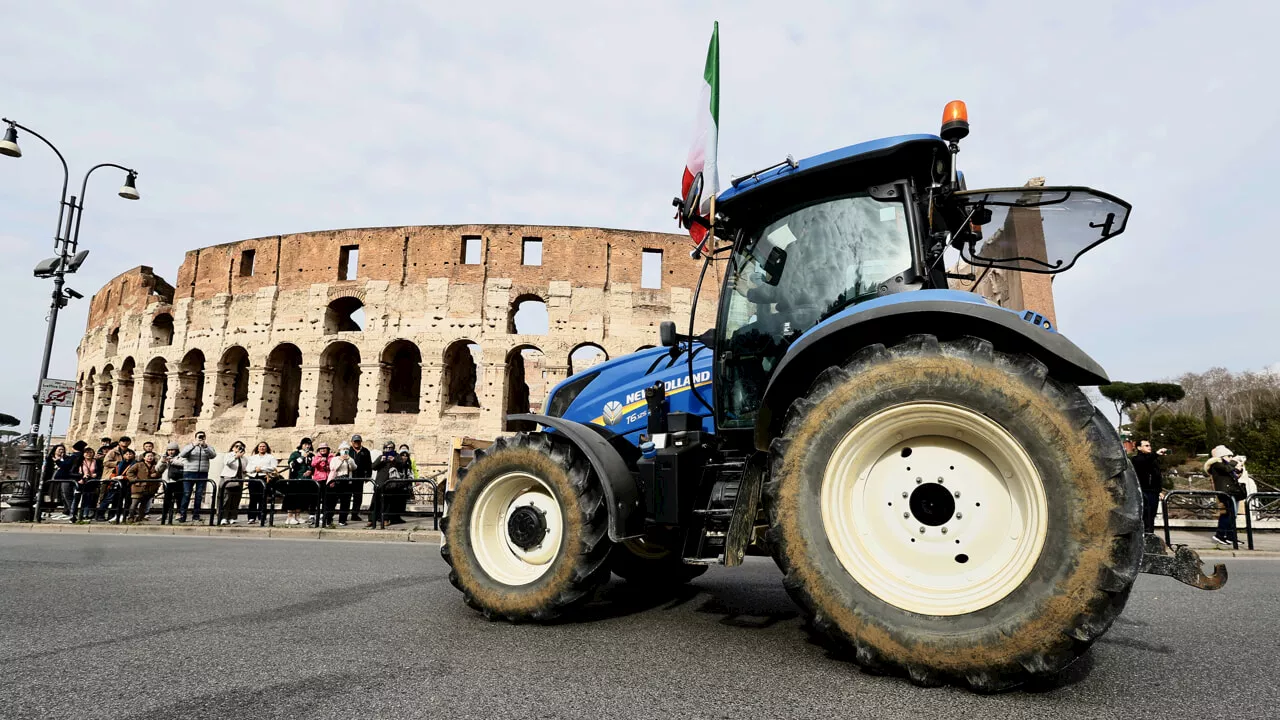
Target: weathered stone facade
[[262, 339]]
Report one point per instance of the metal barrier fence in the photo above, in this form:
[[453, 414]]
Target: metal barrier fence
[[283, 487], [1261, 504], [1227, 500]]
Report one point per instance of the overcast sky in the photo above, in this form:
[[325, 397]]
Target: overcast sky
[[245, 121]]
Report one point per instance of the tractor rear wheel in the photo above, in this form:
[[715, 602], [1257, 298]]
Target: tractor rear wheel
[[526, 530], [951, 513], [653, 561]]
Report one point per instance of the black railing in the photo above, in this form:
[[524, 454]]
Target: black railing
[[1261, 505], [1226, 499]]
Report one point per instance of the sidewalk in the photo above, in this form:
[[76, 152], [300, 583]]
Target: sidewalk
[[1266, 544], [412, 532]]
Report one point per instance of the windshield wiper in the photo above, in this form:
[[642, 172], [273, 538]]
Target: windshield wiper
[[790, 161]]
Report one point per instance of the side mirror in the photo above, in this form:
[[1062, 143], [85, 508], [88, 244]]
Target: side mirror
[[667, 333]]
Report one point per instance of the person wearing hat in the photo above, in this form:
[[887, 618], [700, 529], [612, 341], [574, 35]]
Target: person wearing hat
[[172, 479], [363, 473], [389, 484], [297, 496], [1226, 479]]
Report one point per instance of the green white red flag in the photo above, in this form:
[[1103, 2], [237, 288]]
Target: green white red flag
[[702, 155]]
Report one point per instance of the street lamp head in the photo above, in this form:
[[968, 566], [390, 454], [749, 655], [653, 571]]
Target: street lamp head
[[48, 267], [76, 261], [130, 190], [9, 146]]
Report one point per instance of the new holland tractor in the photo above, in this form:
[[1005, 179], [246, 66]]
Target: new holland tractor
[[943, 500]]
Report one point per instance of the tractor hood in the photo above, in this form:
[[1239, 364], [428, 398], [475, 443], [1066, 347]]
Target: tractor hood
[[611, 394]]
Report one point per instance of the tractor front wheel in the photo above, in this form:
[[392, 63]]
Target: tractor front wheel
[[526, 530], [951, 513]]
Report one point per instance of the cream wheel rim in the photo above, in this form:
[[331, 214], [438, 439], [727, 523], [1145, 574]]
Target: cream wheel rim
[[500, 554], [934, 508]]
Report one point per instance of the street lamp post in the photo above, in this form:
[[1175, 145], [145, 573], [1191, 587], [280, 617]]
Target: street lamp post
[[66, 241]]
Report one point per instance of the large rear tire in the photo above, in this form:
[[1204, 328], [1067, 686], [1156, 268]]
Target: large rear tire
[[526, 530], [950, 513]]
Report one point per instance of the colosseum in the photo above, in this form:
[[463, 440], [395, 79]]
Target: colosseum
[[415, 334]]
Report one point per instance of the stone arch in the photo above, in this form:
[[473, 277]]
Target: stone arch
[[162, 330], [84, 400], [155, 394], [528, 315], [525, 386], [282, 387], [122, 400], [339, 396], [344, 314], [585, 355], [233, 379], [400, 384], [101, 418], [461, 377], [113, 341], [189, 398]]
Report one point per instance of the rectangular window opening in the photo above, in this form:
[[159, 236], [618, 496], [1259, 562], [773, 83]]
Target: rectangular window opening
[[246, 263], [531, 251], [470, 249], [651, 269], [348, 261], [124, 289]]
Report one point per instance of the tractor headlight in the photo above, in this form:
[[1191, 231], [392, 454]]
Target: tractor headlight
[[561, 399]]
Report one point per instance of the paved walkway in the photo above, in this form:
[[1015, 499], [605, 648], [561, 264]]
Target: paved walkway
[[411, 532]]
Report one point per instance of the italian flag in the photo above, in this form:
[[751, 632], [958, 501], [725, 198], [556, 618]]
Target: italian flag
[[702, 155]]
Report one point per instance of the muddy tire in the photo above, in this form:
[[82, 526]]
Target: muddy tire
[[651, 562], [526, 530], [950, 513]]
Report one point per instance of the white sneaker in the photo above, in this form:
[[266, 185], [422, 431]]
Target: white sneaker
[[233, 522], [224, 522]]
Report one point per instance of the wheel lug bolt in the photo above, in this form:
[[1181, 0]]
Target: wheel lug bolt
[[904, 494], [906, 514], [944, 531], [940, 480], [959, 516], [957, 493], [921, 529], [919, 480]]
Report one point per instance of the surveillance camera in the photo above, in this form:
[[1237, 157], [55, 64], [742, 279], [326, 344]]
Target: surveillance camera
[[73, 294]]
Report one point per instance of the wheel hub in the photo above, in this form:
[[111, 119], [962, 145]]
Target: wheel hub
[[932, 504], [526, 527]]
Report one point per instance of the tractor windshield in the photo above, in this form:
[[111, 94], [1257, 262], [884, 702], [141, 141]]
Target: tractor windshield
[[796, 271]]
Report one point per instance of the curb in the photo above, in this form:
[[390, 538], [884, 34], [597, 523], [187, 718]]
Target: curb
[[272, 533]]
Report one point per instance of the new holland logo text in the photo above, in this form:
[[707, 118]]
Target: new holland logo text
[[676, 384], [612, 412]]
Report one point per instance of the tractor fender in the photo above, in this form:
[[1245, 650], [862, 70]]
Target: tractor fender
[[842, 335], [626, 518]]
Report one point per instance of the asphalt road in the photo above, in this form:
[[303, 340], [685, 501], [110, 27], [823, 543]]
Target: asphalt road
[[98, 626]]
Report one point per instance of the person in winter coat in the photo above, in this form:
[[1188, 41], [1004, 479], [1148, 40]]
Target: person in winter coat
[[1226, 479], [172, 479], [1150, 479], [261, 465], [390, 483], [297, 497], [142, 491], [88, 479], [195, 473], [338, 487], [231, 473], [61, 483], [112, 493], [363, 473]]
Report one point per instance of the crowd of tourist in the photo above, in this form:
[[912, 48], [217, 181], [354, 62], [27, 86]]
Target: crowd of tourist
[[116, 483]]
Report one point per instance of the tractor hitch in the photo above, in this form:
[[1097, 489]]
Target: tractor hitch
[[1180, 563]]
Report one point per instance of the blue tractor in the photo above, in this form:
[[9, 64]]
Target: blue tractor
[[944, 501]]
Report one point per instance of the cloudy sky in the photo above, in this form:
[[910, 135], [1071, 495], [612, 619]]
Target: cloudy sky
[[253, 118]]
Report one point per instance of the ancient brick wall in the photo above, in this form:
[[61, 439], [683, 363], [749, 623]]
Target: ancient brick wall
[[395, 333]]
